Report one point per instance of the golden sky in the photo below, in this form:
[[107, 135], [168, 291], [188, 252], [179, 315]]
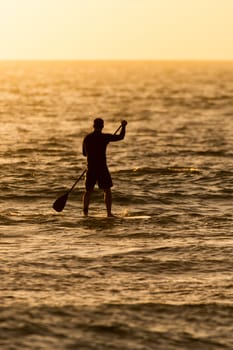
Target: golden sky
[[116, 29]]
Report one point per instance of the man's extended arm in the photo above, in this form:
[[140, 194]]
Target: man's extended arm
[[122, 133]]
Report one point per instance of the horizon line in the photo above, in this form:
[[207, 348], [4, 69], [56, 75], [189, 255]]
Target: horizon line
[[118, 59]]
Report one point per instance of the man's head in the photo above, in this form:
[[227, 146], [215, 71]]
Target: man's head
[[98, 124]]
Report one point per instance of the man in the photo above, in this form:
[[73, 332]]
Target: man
[[94, 148]]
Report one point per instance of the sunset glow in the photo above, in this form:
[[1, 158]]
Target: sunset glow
[[116, 29]]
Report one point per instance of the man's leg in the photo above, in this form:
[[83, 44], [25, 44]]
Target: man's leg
[[86, 201], [89, 184], [108, 201]]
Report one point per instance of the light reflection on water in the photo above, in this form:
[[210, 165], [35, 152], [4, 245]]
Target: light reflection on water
[[174, 165]]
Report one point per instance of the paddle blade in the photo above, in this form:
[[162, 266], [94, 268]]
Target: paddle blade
[[60, 203]]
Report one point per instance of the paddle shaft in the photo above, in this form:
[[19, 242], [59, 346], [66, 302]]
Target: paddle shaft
[[83, 173]]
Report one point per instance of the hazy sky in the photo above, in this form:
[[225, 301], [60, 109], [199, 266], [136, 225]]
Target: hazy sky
[[116, 29]]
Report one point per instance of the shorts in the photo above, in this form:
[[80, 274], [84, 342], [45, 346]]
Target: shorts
[[101, 177]]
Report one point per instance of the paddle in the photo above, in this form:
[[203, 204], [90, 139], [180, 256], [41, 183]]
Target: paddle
[[60, 202]]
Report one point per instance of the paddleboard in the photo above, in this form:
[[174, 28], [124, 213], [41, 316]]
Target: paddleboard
[[136, 217], [132, 217]]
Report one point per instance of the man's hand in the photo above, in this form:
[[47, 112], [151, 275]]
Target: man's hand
[[123, 123]]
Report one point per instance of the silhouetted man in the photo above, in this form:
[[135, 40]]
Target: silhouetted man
[[94, 148]]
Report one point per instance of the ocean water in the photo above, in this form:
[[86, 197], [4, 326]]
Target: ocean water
[[160, 282]]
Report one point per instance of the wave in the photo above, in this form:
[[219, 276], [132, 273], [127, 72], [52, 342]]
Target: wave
[[118, 326]]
